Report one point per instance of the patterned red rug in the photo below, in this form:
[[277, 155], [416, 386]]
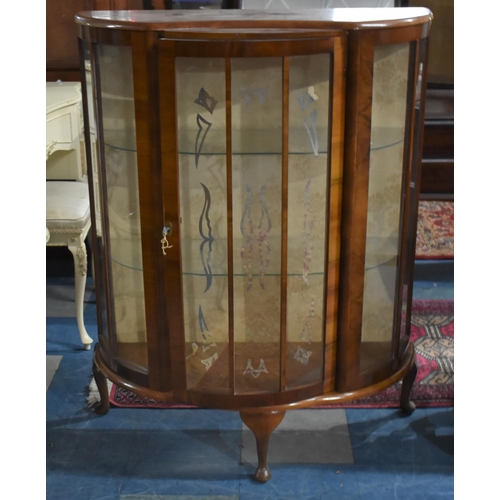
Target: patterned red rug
[[432, 333], [435, 230]]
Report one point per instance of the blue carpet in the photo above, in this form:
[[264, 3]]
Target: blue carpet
[[144, 454]]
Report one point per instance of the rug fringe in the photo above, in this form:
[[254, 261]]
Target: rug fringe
[[94, 396]]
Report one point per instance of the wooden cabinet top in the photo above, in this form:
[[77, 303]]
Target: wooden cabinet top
[[351, 19]]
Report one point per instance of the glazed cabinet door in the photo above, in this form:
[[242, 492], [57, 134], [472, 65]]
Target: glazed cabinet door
[[247, 173], [380, 202]]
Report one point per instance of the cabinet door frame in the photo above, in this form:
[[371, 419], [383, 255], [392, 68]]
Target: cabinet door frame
[[250, 44]]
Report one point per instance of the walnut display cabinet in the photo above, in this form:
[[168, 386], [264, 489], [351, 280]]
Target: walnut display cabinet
[[255, 180]]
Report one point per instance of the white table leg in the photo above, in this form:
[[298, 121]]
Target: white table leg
[[80, 261]]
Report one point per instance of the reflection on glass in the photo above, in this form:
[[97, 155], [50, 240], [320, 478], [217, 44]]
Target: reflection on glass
[[256, 90], [121, 190], [390, 87], [198, 4], [413, 202], [203, 212], [307, 198], [312, 4]]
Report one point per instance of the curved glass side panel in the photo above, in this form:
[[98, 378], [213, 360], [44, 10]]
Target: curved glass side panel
[[390, 89], [410, 236], [99, 247], [120, 187]]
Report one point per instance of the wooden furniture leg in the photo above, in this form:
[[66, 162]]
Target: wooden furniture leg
[[102, 385], [262, 424], [406, 405]]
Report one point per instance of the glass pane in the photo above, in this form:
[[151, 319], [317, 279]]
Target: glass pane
[[121, 190], [409, 241], [256, 90], [390, 88], [201, 111], [309, 102], [256, 99], [98, 248]]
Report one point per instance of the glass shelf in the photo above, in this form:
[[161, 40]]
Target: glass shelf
[[123, 140], [216, 261], [253, 142], [386, 137], [122, 255]]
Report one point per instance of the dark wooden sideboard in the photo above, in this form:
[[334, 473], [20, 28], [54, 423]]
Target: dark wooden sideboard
[[437, 180]]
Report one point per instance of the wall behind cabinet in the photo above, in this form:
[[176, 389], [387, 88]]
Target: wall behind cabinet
[[62, 59]]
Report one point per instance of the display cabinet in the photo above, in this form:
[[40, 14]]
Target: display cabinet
[[256, 182]]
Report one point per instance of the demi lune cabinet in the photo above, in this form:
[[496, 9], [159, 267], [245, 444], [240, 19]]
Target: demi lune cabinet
[[255, 183]]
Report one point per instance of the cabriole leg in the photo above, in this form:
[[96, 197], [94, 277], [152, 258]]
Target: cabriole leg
[[80, 263], [102, 385], [262, 424], [406, 405]]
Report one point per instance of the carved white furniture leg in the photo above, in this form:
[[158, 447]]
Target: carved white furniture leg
[[80, 261], [68, 223]]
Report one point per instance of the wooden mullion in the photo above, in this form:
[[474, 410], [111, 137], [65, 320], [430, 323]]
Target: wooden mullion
[[229, 200], [334, 208], [354, 207], [284, 218], [172, 260], [144, 51]]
